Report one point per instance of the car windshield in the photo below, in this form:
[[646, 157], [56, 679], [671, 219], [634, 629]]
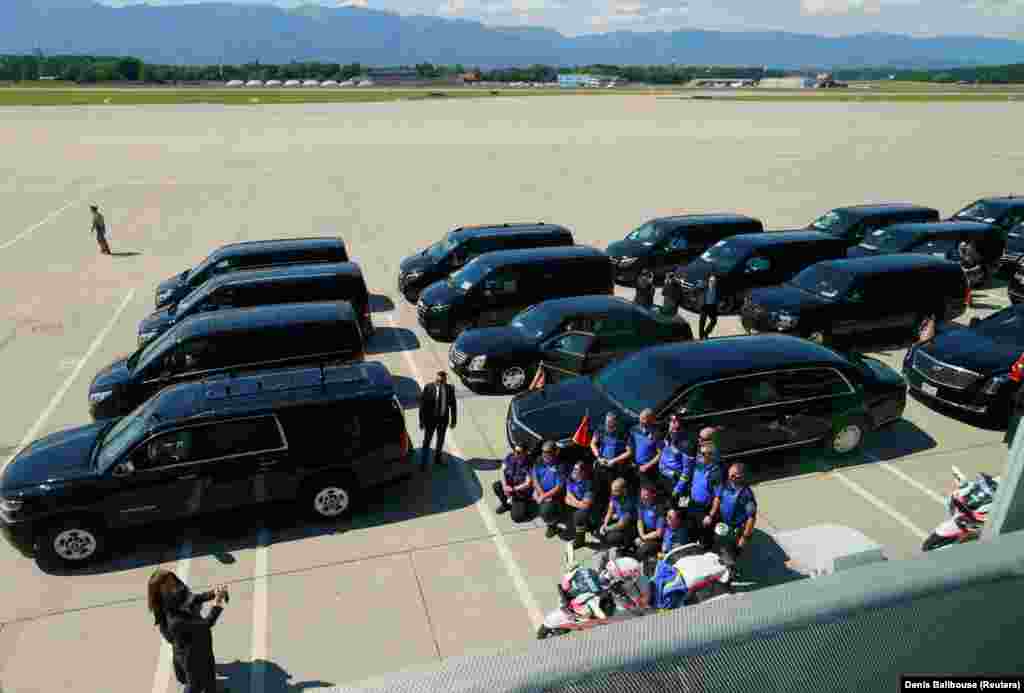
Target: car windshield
[[1006, 326], [638, 382], [535, 322], [145, 355], [891, 240], [833, 222], [648, 234], [440, 250], [823, 281], [723, 256], [985, 212], [122, 435], [190, 301], [470, 275]]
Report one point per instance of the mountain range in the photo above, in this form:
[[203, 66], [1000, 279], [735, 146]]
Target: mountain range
[[209, 33]]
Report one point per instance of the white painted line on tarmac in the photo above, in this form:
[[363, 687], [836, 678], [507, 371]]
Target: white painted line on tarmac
[[880, 504], [48, 218], [164, 664], [913, 482], [52, 406], [258, 672], [486, 514]]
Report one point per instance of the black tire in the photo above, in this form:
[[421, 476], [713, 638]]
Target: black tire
[[72, 543], [411, 295], [843, 441], [329, 497], [934, 541]]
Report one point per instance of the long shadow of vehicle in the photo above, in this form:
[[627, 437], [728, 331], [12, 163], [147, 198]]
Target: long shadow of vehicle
[[238, 676], [219, 535], [389, 340]]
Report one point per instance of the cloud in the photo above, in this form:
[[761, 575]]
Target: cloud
[[353, 3], [834, 8], [633, 13]]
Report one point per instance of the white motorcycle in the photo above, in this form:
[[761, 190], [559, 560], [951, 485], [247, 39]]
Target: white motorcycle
[[969, 505]]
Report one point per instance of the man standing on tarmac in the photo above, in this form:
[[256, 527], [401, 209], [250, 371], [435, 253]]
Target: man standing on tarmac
[[99, 227]]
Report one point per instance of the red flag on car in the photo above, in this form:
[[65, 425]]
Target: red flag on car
[[582, 435], [1017, 370], [539, 379]]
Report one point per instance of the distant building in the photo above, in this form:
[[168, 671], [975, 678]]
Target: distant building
[[787, 83], [577, 81], [396, 75]]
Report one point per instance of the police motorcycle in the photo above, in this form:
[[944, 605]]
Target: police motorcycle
[[969, 504], [972, 266], [612, 589], [688, 575]]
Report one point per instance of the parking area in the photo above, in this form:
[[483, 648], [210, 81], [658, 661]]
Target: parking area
[[428, 571]]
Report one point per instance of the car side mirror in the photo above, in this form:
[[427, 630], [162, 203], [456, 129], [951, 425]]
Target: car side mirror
[[123, 469]]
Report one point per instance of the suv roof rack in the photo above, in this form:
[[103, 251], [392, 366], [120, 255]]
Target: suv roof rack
[[231, 386]]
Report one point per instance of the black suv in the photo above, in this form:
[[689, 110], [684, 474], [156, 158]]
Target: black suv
[[662, 244], [837, 300], [768, 392], [207, 446], [569, 336], [1015, 287], [853, 224], [326, 281], [750, 260], [461, 245], [1014, 251], [229, 341], [968, 368], [250, 255]]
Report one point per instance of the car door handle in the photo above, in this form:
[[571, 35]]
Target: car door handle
[[189, 476]]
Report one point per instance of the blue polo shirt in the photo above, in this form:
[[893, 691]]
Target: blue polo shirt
[[548, 476], [651, 516], [624, 507], [645, 447], [581, 489], [516, 471], [673, 538], [611, 445], [704, 479], [673, 457], [737, 504]]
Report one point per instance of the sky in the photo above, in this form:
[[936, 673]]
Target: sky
[[1001, 18]]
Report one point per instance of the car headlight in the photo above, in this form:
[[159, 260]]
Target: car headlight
[[478, 363], [97, 397], [146, 336], [994, 383], [11, 505], [439, 308], [784, 321], [626, 261], [411, 276]]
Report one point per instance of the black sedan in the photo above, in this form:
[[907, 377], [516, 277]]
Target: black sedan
[[969, 368], [571, 336], [767, 392]]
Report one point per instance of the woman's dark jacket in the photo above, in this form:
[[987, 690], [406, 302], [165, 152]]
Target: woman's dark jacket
[[189, 633]]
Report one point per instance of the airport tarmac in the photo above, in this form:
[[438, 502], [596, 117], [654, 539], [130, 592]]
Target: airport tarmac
[[429, 571]]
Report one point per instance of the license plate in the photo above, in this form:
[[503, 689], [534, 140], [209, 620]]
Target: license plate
[[929, 389]]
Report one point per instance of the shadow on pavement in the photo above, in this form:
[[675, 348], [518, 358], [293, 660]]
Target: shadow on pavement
[[441, 489], [124, 253], [389, 340], [482, 465], [379, 303], [764, 564], [238, 676]]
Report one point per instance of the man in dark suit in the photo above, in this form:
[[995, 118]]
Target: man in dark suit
[[437, 414]]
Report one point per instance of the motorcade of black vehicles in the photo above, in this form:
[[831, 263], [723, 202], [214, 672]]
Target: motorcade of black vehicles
[[326, 281], [1004, 213], [941, 239], [744, 262], [250, 255], [571, 336], [767, 392], [1014, 251], [465, 243], [660, 245], [1015, 286], [318, 436], [837, 301], [494, 287], [969, 367], [229, 341], [857, 222]]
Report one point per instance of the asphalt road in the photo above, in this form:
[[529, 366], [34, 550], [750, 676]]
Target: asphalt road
[[428, 571]]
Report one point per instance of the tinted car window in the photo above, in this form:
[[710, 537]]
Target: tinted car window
[[164, 451], [469, 276], [723, 256], [505, 281], [649, 233], [808, 383], [889, 240], [938, 246], [572, 343], [985, 212], [834, 222], [536, 322], [728, 395], [196, 354], [638, 381], [824, 281], [243, 436]]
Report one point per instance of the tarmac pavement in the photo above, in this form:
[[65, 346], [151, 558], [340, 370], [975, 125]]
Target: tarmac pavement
[[428, 571]]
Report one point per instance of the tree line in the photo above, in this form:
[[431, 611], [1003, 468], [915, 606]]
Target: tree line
[[91, 69]]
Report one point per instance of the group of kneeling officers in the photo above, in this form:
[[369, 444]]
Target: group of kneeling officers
[[648, 491]]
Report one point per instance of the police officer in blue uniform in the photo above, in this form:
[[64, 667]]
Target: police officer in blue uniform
[[734, 513], [650, 524], [619, 526], [647, 443], [675, 534], [697, 488], [612, 449], [675, 455], [548, 487], [514, 488], [579, 501]]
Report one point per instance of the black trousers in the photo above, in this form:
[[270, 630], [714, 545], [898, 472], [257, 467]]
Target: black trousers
[[696, 529], [666, 487], [520, 505], [621, 538], [429, 432], [603, 478], [578, 521], [651, 476], [708, 320], [648, 550], [101, 240], [551, 510]]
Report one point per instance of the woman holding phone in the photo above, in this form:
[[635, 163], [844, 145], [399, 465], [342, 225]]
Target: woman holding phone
[[178, 614]]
